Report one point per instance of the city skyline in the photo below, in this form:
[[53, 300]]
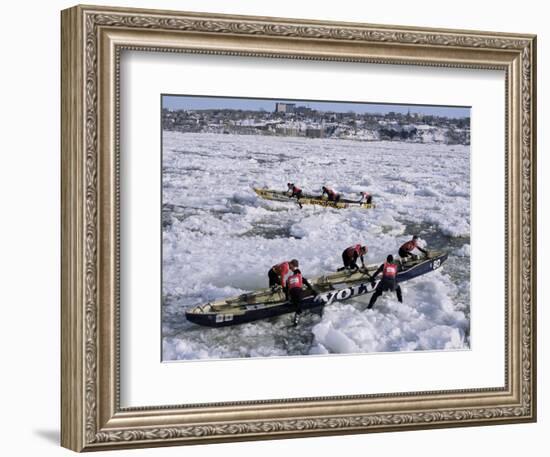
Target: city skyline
[[192, 102]]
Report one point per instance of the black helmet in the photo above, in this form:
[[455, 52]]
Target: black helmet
[[389, 258], [415, 237], [289, 184], [297, 272], [294, 262]]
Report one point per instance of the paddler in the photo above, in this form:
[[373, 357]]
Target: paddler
[[295, 292], [332, 195], [277, 273], [389, 271], [295, 191], [366, 198], [350, 256], [406, 249]]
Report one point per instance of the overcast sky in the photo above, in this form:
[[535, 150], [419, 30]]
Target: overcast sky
[[175, 102]]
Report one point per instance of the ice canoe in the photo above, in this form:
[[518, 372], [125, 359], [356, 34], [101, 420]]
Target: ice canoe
[[334, 287], [306, 199]]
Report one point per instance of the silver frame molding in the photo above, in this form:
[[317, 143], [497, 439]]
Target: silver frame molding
[[93, 39]]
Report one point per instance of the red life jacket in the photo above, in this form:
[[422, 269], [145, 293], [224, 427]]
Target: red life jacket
[[409, 246], [281, 269], [330, 192], [353, 249], [296, 189], [390, 270], [295, 281]]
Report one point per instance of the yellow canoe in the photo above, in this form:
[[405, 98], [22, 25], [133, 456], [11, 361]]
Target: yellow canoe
[[281, 196]]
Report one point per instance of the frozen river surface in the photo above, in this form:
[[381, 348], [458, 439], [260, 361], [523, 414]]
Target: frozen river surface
[[220, 239]]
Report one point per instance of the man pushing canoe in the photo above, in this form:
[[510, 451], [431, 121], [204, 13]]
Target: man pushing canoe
[[331, 194], [350, 256], [406, 249], [295, 292], [295, 192], [277, 273], [389, 270]]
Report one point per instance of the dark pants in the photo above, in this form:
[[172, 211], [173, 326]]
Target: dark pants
[[369, 199], [274, 278], [404, 254], [349, 262], [295, 296], [298, 195], [383, 286]]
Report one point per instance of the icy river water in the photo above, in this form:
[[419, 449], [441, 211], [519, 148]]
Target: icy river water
[[220, 239]]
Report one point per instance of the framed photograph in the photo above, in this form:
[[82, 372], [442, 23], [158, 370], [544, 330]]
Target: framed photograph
[[276, 228]]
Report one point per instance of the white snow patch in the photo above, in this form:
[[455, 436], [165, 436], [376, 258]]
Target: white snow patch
[[464, 251]]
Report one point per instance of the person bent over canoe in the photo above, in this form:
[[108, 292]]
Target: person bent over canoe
[[332, 195], [295, 292], [388, 281], [406, 249], [350, 256], [366, 198], [277, 273], [295, 192]]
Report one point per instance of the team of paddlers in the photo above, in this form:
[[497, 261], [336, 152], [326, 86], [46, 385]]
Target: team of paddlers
[[332, 196], [287, 275]]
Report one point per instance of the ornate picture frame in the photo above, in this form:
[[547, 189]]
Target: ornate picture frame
[[93, 39]]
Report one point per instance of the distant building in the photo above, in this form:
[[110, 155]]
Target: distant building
[[287, 130], [305, 110], [315, 132], [285, 107]]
